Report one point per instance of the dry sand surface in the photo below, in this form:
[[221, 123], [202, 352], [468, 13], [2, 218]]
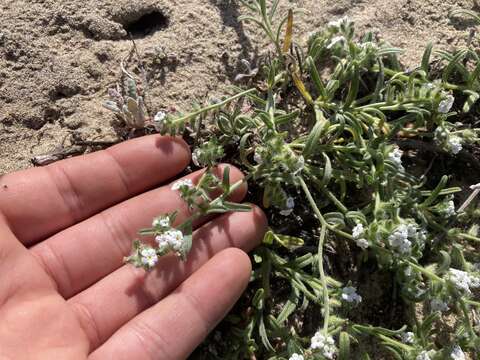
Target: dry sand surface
[[58, 57]]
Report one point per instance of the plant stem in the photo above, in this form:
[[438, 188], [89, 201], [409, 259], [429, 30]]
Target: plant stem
[[323, 230], [424, 271], [468, 237], [212, 107]]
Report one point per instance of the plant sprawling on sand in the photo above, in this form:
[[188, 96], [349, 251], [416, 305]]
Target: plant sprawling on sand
[[321, 132]]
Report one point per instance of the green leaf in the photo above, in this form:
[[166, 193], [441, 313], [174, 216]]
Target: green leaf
[[426, 57], [471, 100], [263, 335], [317, 81], [226, 180], [257, 301], [353, 91], [289, 242], [313, 138], [344, 345], [186, 228]]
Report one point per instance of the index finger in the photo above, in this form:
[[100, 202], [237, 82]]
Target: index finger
[[42, 201]]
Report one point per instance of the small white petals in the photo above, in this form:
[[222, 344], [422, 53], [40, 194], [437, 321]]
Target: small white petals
[[438, 305], [180, 183], [149, 257], [450, 209], [395, 156], [195, 155], [423, 356], [159, 116], [289, 205], [457, 353], [407, 337], [462, 280], [362, 243], [335, 24], [161, 221], [325, 344], [475, 187], [172, 239], [455, 144], [158, 120], [446, 104], [296, 356], [399, 239], [257, 157], [358, 231], [349, 294]]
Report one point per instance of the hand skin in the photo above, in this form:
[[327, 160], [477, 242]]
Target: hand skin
[[64, 230]]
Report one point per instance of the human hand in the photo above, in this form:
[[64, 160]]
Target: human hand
[[64, 230]]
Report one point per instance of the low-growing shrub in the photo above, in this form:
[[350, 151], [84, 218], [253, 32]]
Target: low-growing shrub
[[368, 243]]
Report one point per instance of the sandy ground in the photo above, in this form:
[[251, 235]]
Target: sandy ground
[[57, 58]]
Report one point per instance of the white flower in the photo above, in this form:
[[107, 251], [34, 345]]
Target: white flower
[[289, 205], [446, 104], [349, 294], [149, 257], [357, 231], [428, 86], [257, 157], [171, 238], [423, 356], [450, 209], [457, 353], [180, 183], [337, 23], [455, 144], [196, 153], [438, 305], [158, 120], [161, 221], [362, 243], [296, 357], [462, 280], [335, 40], [407, 337], [399, 239], [395, 156], [325, 344], [475, 187]]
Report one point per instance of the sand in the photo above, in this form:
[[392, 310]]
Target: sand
[[57, 58]]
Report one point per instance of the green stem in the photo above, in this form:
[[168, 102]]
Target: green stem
[[424, 271], [468, 237], [212, 107], [463, 306], [323, 230]]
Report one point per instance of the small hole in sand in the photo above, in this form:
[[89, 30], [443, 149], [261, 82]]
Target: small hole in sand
[[147, 24]]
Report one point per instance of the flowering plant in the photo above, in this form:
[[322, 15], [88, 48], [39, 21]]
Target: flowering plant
[[337, 139]]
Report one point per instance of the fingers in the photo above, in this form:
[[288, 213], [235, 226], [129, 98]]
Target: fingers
[[84, 253], [41, 201], [173, 328], [114, 300]]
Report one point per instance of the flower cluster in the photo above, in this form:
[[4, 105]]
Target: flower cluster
[[463, 281], [324, 344], [296, 356], [404, 236], [168, 240], [358, 233], [395, 156], [349, 294]]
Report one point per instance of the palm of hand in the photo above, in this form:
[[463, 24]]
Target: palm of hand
[[64, 231]]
